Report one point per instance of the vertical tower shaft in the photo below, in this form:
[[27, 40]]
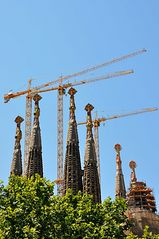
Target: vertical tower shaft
[[120, 190], [61, 92], [28, 119], [35, 164], [72, 168], [91, 178], [16, 167]]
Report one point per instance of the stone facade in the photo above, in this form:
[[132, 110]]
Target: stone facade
[[120, 190], [35, 164], [72, 167], [16, 166], [141, 205], [142, 218], [91, 183]]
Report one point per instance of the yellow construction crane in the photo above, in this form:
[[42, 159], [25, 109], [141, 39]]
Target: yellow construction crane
[[61, 88], [96, 124], [61, 91], [61, 79]]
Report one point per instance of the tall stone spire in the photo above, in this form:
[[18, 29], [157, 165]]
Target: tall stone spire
[[120, 190], [91, 178], [16, 167], [72, 168], [35, 164]]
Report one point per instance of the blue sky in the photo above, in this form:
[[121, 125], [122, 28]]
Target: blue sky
[[43, 40]]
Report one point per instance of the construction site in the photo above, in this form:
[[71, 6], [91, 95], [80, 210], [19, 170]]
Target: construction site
[[142, 208]]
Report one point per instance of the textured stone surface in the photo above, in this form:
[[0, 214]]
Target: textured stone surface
[[72, 167], [91, 178], [16, 166], [141, 205], [139, 195], [35, 164], [141, 218], [120, 190]]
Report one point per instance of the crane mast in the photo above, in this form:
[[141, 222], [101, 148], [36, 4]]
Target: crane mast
[[28, 123], [60, 94]]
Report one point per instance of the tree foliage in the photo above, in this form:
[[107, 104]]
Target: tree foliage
[[146, 235], [30, 210]]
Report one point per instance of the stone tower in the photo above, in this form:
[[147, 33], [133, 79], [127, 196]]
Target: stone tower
[[120, 190], [72, 168], [35, 164], [141, 205], [91, 178], [16, 167], [139, 195]]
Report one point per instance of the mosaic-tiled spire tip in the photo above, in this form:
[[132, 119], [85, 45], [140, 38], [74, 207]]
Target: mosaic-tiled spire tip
[[120, 190], [91, 178], [16, 166], [72, 168], [35, 164]]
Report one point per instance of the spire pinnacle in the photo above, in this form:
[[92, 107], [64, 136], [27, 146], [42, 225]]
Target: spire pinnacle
[[72, 168], [120, 184], [91, 183], [117, 148], [72, 91], [35, 164], [19, 120], [89, 107], [16, 167], [36, 99], [72, 108], [89, 124], [133, 165]]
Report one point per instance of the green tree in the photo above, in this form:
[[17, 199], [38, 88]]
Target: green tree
[[30, 210], [146, 235], [25, 205]]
